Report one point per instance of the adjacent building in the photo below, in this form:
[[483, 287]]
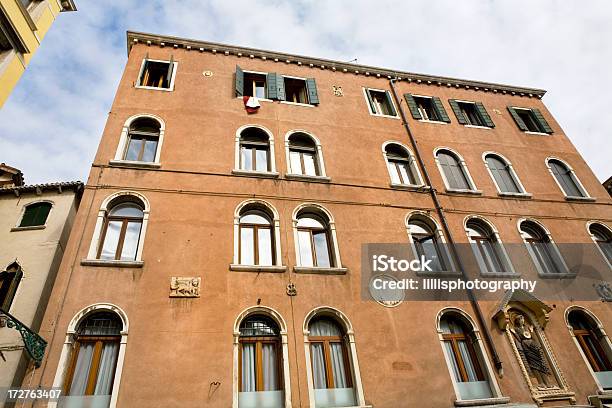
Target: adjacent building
[[23, 25], [217, 257], [35, 223]]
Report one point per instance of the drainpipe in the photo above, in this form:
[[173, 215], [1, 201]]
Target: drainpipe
[[434, 196]]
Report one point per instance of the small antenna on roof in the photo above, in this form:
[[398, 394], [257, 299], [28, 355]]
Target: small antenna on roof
[[353, 60]]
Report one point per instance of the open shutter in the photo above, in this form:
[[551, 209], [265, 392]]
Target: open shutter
[[437, 103], [519, 122], [390, 102], [280, 87], [412, 105], [543, 123], [455, 106], [239, 81], [170, 69], [370, 101], [311, 87], [276, 86], [484, 115]]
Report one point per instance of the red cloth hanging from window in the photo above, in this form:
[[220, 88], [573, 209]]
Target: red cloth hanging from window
[[251, 104]]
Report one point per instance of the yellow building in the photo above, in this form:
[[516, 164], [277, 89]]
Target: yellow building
[[23, 24]]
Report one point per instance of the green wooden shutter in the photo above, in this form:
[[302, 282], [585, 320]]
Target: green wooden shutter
[[170, 69], [543, 123], [370, 101], [519, 122], [280, 87], [239, 81], [276, 86], [455, 106], [484, 115], [437, 103], [412, 105], [311, 87], [390, 102]]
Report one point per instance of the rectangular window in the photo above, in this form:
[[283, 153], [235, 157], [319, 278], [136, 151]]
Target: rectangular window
[[530, 120], [157, 74], [255, 85], [295, 90], [468, 109], [426, 108], [380, 103]]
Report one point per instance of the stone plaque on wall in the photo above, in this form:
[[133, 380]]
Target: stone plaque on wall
[[185, 287]]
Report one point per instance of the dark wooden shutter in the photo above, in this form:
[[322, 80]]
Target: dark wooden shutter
[[390, 102], [311, 87], [543, 123], [412, 105], [484, 115], [437, 104], [370, 101], [170, 69], [460, 117], [519, 122], [239, 81], [276, 86]]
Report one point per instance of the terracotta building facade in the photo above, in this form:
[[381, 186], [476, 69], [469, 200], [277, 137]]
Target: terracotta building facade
[[216, 256]]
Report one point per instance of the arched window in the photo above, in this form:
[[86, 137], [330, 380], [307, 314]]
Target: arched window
[[9, 282], [602, 236], [255, 150], [142, 140], [488, 249], [594, 345], [35, 214], [503, 174], [330, 362], [304, 155], [566, 179], [542, 250], [256, 238], [314, 241], [465, 357], [401, 166], [121, 233], [92, 366], [453, 171], [427, 241], [260, 364]]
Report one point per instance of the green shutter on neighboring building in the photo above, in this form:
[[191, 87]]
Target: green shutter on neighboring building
[[412, 105], [455, 106], [437, 103], [543, 123], [311, 87], [484, 115]]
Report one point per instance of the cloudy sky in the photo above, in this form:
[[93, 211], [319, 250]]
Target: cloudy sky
[[51, 124]]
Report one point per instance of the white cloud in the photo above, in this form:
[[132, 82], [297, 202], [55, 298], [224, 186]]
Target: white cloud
[[52, 123]]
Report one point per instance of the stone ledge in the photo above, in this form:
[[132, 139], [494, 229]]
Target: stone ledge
[[258, 268], [32, 228], [320, 270], [112, 263]]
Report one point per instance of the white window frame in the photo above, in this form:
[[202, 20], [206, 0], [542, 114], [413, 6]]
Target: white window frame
[[587, 196], [305, 87], [478, 113], [515, 177], [22, 213], [65, 356], [335, 253], [124, 139], [272, 156], [564, 272], [92, 259], [319, 152], [423, 116], [427, 218], [365, 95], [464, 167], [511, 272], [265, 74], [602, 224], [154, 88], [278, 262], [278, 319], [482, 356], [412, 163], [341, 319], [602, 332]]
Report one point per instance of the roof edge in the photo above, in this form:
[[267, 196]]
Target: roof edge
[[76, 186], [157, 39]]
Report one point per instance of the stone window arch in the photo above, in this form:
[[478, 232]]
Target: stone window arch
[[601, 235], [254, 151], [542, 249], [427, 239], [566, 178], [454, 170], [503, 174], [488, 248], [304, 155], [401, 165], [141, 141]]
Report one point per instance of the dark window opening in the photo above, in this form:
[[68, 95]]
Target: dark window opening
[[35, 214], [529, 120], [254, 85], [380, 103], [426, 108], [471, 114], [295, 90], [156, 74]]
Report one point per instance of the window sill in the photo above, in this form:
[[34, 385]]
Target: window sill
[[438, 274], [410, 187], [258, 268], [154, 88], [111, 263], [478, 127], [515, 195], [537, 133], [250, 173], [298, 104], [579, 199], [259, 99], [304, 177], [130, 163], [384, 116], [481, 402], [437, 122], [463, 191], [561, 275], [32, 228], [505, 275], [318, 270]]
